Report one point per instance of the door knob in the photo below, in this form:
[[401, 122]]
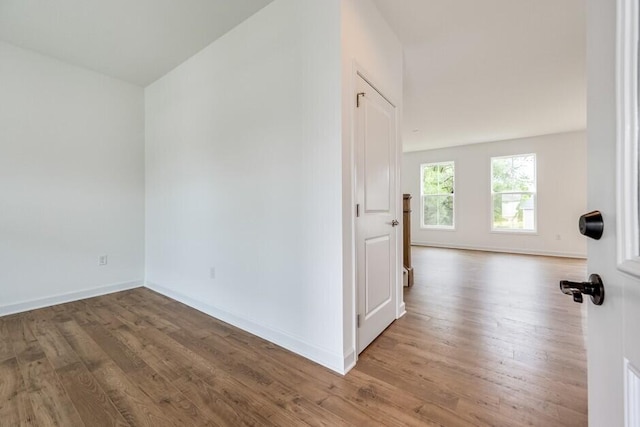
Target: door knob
[[594, 288], [591, 225], [394, 223]]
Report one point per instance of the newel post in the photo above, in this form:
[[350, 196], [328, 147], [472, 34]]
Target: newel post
[[406, 236]]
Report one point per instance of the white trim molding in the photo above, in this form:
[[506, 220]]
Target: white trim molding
[[422, 225], [335, 362], [628, 227], [69, 297], [534, 194], [402, 310], [631, 395], [350, 360], [501, 250]]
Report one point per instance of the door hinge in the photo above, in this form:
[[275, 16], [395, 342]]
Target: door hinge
[[358, 99], [358, 320], [358, 210]]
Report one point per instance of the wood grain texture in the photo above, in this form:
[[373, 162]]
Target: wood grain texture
[[15, 405], [50, 401], [488, 340], [93, 405]]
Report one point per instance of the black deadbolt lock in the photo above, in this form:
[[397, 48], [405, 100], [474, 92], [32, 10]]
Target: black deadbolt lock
[[591, 225]]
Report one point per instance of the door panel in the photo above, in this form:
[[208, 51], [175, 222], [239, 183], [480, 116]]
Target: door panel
[[378, 270], [613, 341], [377, 191], [377, 257]]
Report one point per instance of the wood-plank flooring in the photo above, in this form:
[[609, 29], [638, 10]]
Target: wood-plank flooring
[[488, 340]]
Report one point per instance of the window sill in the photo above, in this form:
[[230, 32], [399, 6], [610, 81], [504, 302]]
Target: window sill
[[435, 228], [523, 232]]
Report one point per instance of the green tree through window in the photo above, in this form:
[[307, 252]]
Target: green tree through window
[[438, 180], [513, 192]]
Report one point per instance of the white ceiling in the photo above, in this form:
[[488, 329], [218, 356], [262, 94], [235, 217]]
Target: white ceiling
[[489, 70], [475, 70], [134, 40]]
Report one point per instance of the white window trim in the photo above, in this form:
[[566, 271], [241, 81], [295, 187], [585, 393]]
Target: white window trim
[[534, 231], [422, 196]]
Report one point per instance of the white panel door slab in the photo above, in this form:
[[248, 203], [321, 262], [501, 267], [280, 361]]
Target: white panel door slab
[[376, 223], [613, 330]]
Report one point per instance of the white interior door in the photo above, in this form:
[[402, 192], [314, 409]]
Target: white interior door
[[376, 217], [613, 347]]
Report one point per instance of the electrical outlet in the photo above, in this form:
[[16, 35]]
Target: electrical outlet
[[102, 260], [212, 273], [558, 237]]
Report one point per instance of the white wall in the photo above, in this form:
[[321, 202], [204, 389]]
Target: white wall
[[370, 47], [561, 195], [71, 182], [243, 175]]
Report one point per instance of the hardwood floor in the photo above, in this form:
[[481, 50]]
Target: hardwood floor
[[488, 340]]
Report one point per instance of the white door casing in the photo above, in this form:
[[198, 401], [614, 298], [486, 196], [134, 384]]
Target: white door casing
[[613, 336], [376, 236]]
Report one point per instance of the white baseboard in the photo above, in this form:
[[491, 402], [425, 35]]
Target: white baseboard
[[402, 310], [349, 360], [502, 250], [335, 362], [68, 297]]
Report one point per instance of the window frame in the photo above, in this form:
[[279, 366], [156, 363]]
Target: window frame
[[534, 194], [451, 227]]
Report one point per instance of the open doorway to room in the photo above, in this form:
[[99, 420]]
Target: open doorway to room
[[495, 161]]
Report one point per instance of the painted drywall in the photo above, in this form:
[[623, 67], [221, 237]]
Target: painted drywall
[[135, 41], [71, 182], [561, 195], [490, 70], [369, 47], [243, 179]]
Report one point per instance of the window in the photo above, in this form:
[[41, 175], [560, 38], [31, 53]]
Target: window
[[513, 190], [438, 181]]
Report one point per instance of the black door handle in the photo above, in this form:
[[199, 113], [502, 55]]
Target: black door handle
[[594, 288]]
